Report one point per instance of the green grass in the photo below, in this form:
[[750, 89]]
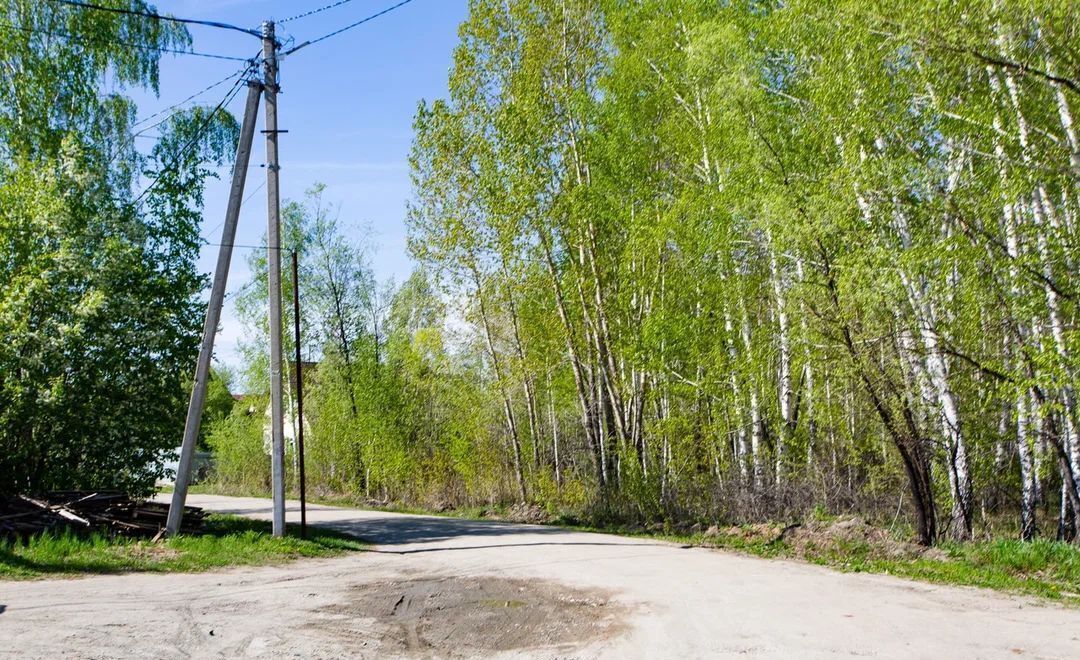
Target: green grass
[[1050, 569], [1044, 568], [227, 541]]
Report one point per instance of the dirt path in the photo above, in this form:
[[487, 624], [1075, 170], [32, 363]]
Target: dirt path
[[440, 587]]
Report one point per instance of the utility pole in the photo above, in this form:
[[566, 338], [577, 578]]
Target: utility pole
[[299, 393], [273, 249], [213, 312]]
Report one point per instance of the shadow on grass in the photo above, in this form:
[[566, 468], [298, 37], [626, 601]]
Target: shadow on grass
[[17, 566], [224, 541]]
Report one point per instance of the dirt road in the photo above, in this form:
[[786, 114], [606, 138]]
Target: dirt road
[[440, 587]]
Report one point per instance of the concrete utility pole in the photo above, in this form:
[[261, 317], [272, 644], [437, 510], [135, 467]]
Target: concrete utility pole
[[273, 248], [213, 311]]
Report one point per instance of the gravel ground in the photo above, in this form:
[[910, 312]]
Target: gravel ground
[[444, 588]]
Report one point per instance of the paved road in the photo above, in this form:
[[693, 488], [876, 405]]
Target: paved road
[[614, 597]]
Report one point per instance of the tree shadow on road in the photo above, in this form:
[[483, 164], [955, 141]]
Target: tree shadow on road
[[404, 530], [508, 545]]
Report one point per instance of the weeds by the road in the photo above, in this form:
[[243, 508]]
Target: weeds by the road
[[226, 541], [1050, 569]]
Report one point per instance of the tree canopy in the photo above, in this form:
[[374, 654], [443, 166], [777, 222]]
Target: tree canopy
[[99, 312]]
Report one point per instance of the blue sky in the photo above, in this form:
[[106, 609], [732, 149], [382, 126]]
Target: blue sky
[[347, 102]]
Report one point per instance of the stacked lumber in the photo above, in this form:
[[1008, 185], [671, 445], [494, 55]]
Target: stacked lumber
[[111, 512]]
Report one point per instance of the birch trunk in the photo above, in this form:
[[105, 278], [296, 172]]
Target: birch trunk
[[755, 413], [581, 385], [1040, 210], [508, 408], [554, 434], [808, 372], [530, 394], [1067, 125], [1026, 419], [785, 391], [740, 440]]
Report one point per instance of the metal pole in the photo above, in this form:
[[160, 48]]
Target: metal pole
[[299, 393], [273, 249], [213, 311]]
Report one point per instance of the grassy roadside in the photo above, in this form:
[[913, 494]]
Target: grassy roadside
[[1042, 568], [227, 541]]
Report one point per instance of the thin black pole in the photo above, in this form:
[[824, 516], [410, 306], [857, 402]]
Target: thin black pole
[[299, 395]]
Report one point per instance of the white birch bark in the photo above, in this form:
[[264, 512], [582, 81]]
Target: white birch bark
[[508, 408], [554, 433], [1026, 421], [785, 389], [741, 448], [936, 368], [1040, 213], [808, 371], [755, 413], [1067, 125]]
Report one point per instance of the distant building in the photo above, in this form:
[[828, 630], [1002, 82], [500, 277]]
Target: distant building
[[289, 431]]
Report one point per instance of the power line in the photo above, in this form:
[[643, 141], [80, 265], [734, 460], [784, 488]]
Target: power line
[[126, 44], [158, 17], [239, 74], [233, 91], [347, 27], [314, 11], [257, 189], [244, 246], [245, 201], [197, 94]]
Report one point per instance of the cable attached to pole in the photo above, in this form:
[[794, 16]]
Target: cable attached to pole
[[159, 17], [199, 134], [125, 44], [347, 27], [314, 11], [174, 106]]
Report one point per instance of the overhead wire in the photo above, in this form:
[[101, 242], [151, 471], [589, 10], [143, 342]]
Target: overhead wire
[[314, 11], [347, 27], [236, 76], [194, 96], [125, 44], [246, 246], [229, 95], [199, 133], [158, 17], [233, 91], [210, 231]]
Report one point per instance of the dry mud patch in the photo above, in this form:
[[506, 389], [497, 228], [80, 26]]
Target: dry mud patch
[[470, 616]]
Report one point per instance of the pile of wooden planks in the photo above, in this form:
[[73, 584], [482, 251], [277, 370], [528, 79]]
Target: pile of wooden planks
[[111, 512]]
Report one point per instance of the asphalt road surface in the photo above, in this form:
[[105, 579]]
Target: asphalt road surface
[[440, 587]]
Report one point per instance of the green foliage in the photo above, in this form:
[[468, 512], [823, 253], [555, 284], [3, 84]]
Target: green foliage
[[241, 462], [725, 262], [768, 255], [99, 313], [219, 404]]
